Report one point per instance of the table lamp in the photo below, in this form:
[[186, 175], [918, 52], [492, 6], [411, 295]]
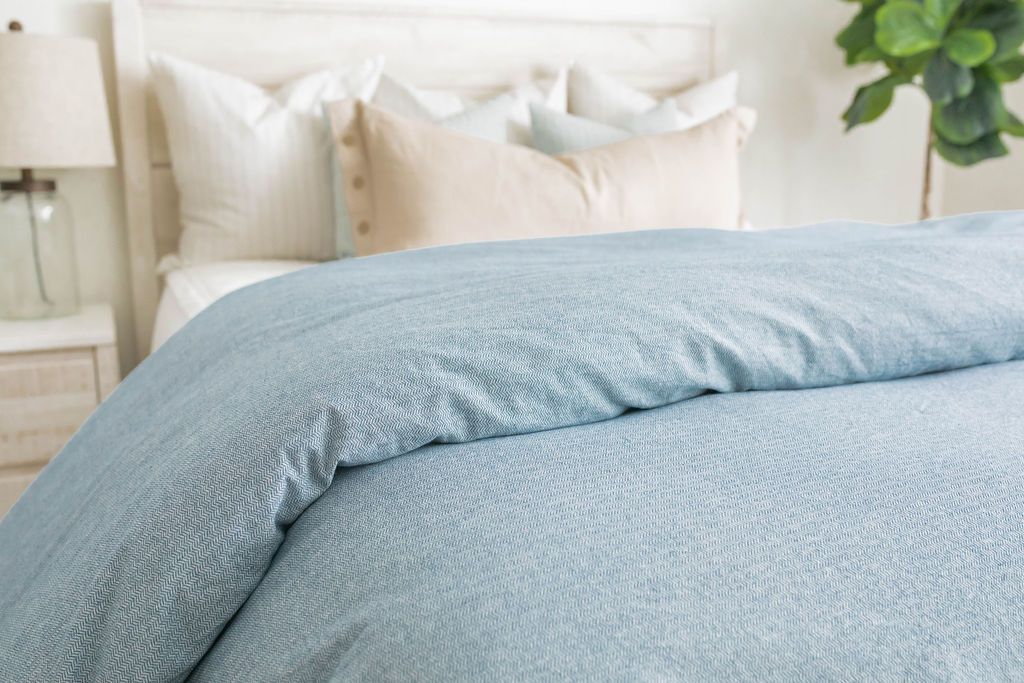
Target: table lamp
[[53, 114]]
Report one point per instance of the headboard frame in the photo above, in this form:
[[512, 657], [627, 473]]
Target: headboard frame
[[272, 41]]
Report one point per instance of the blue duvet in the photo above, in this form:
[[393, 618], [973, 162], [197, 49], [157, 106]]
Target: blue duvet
[[667, 455]]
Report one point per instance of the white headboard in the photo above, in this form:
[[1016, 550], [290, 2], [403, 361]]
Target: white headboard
[[272, 41]]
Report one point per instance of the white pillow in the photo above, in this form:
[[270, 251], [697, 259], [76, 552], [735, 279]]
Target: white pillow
[[252, 167], [441, 107], [599, 97]]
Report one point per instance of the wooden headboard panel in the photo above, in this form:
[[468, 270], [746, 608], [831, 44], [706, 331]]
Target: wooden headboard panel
[[272, 41]]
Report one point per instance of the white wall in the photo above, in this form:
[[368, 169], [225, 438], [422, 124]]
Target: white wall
[[799, 167], [94, 195]]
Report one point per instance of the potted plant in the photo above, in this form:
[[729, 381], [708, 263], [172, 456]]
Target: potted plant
[[959, 52]]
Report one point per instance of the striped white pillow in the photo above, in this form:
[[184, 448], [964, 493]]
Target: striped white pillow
[[253, 167]]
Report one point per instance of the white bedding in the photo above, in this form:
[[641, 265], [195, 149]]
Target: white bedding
[[189, 290]]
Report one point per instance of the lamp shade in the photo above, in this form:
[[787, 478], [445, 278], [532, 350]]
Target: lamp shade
[[53, 109]]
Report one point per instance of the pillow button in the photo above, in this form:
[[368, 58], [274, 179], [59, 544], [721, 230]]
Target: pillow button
[[348, 140], [358, 182], [363, 227]]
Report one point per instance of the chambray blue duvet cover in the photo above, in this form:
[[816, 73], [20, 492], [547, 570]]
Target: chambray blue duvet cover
[[679, 454]]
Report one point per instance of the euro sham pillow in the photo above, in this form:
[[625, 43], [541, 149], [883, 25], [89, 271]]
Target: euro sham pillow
[[253, 168], [411, 184], [595, 95]]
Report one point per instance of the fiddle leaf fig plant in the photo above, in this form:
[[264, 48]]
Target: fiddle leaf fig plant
[[959, 52]]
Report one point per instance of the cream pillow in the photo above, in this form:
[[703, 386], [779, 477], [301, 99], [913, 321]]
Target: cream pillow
[[411, 184], [504, 118], [253, 167]]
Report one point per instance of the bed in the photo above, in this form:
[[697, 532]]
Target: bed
[[465, 53], [189, 290], [667, 454]]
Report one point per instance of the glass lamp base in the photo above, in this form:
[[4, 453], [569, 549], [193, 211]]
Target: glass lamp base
[[38, 273]]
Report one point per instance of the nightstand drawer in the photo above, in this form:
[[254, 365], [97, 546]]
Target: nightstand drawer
[[44, 397]]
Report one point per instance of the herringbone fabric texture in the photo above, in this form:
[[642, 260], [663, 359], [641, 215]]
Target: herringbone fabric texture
[[707, 538], [859, 533]]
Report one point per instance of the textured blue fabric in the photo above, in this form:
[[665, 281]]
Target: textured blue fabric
[[869, 532], [128, 556]]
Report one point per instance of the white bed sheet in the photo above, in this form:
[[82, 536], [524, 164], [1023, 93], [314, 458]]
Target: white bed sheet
[[187, 291]]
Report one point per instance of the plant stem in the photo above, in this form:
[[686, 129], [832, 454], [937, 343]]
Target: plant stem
[[926, 190]]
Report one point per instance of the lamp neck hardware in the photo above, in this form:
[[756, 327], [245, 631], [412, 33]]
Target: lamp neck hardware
[[28, 183]]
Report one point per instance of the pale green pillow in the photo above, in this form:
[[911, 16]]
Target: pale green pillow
[[556, 132]]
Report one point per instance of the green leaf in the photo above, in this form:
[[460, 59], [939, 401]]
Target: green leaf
[[904, 29], [911, 66], [871, 101], [942, 11], [969, 118], [945, 80], [1012, 125], [1006, 71], [1005, 21], [869, 54], [969, 46], [986, 147], [858, 36]]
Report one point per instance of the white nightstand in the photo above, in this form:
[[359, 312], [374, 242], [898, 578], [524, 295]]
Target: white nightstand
[[53, 374]]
